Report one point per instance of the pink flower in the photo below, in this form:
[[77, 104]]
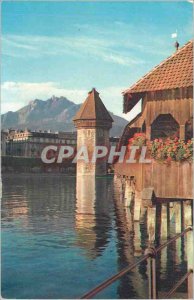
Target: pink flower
[[169, 159]]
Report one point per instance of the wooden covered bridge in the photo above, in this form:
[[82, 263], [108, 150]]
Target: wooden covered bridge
[[166, 94]]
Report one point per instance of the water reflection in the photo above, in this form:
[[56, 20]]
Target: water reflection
[[67, 227], [131, 244], [162, 221], [93, 222], [43, 201]]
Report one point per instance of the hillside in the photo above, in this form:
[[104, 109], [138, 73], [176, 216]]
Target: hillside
[[55, 114]]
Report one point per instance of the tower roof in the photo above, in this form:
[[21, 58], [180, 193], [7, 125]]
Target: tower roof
[[93, 109]]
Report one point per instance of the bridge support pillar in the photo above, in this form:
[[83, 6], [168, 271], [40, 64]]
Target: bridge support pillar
[[178, 219], [189, 238], [129, 194], [151, 223], [137, 205], [187, 213], [165, 221]]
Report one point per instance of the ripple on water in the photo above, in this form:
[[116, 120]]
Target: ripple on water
[[53, 237]]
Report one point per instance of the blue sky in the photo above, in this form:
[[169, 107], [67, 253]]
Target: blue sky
[[66, 48]]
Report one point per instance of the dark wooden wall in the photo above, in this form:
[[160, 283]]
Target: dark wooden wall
[[180, 109]]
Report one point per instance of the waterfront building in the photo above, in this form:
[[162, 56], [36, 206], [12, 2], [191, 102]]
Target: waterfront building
[[93, 123], [113, 141], [4, 135], [29, 143], [166, 94]]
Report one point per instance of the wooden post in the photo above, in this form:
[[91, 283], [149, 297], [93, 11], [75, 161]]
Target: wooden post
[[148, 132], [182, 132], [128, 197], [187, 213], [148, 197], [137, 206], [158, 223], [129, 219], [117, 187], [178, 229], [164, 221], [143, 214], [182, 216], [122, 189], [137, 240], [172, 218], [168, 219], [177, 217], [189, 238], [151, 223]]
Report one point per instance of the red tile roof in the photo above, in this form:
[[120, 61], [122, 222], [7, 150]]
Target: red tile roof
[[93, 109], [174, 72]]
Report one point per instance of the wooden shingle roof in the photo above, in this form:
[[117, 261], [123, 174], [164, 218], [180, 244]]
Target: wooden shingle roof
[[93, 109], [174, 72]]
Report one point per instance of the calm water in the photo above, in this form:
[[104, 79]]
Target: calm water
[[61, 238]]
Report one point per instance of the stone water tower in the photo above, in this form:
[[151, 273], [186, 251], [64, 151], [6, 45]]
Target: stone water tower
[[93, 123]]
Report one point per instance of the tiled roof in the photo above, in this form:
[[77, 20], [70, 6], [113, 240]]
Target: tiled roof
[[93, 109], [174, 72]]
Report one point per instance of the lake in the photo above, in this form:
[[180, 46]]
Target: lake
[[62, 236]]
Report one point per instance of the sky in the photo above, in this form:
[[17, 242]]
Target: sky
[[67, 48]]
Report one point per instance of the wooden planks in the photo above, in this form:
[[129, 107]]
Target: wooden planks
[[180, 109], [168, 181]]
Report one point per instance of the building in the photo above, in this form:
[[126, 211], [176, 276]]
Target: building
[[28, 143], [4, 135], [114, 141], [93, 123], [166, 93]]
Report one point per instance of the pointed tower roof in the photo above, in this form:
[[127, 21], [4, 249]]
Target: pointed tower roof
[[93, 109]]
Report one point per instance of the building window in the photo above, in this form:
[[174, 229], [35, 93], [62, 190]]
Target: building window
[[189, 129], [164, 126], [144, 127]]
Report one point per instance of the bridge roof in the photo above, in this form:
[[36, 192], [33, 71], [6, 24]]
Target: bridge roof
[[174, 72]]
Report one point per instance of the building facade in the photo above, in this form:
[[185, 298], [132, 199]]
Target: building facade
[[4, 135], [29, 143]]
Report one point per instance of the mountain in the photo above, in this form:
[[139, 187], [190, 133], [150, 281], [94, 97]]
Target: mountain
[[55, 114]]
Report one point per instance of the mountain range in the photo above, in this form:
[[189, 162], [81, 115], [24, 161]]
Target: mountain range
[[54, 114]]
